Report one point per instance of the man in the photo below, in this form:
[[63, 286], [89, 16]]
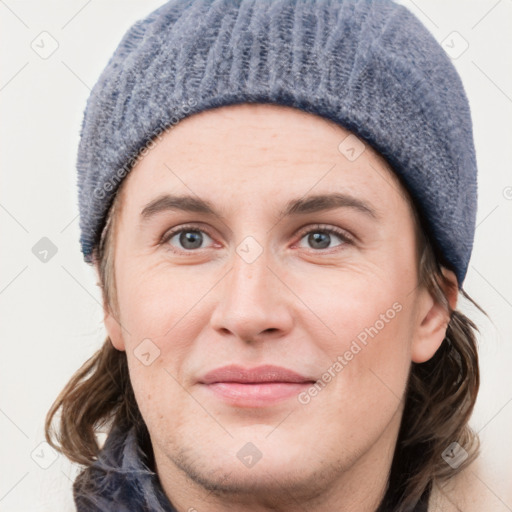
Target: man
[[279, 199]]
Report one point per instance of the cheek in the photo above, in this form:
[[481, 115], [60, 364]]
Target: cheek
[[160, 327], [155, 302], [367, 356], [378, 342], [157, 393]]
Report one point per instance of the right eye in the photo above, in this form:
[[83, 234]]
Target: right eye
[[185, 238]]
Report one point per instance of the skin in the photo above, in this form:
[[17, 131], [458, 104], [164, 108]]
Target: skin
[[297, 305]]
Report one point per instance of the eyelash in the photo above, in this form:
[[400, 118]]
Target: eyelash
[[331, 230]]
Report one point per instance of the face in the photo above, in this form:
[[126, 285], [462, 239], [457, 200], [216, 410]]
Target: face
[[253, 235]]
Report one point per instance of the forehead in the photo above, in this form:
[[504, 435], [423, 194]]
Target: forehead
[[261, 148]]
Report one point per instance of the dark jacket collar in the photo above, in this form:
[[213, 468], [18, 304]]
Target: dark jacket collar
[[121, 479]]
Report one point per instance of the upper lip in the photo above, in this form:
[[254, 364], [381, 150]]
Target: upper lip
[[265, 373]]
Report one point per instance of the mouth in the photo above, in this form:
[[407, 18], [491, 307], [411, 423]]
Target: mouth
[[255, 387]]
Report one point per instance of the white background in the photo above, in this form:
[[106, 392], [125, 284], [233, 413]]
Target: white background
[[51, 312]]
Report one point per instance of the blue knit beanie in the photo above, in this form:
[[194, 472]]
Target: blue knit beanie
[[368, 65]]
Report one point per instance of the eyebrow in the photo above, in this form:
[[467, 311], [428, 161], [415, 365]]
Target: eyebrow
[[300, 206]]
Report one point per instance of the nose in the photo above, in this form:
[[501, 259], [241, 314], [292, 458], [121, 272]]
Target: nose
[[254, 302]]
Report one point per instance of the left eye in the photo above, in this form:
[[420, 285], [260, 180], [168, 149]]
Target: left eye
[[320, 238]]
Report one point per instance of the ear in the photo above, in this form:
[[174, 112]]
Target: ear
[[433, 320], [112, 325]]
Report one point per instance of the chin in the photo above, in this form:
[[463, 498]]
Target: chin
[[267, 478]]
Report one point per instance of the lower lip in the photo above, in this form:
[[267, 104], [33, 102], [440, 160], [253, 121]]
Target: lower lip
[[256, 395]]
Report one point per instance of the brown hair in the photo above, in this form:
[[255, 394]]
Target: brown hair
[[441, 392]]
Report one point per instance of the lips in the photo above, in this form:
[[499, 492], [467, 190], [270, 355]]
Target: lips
[[255, 387], [258, 375]]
